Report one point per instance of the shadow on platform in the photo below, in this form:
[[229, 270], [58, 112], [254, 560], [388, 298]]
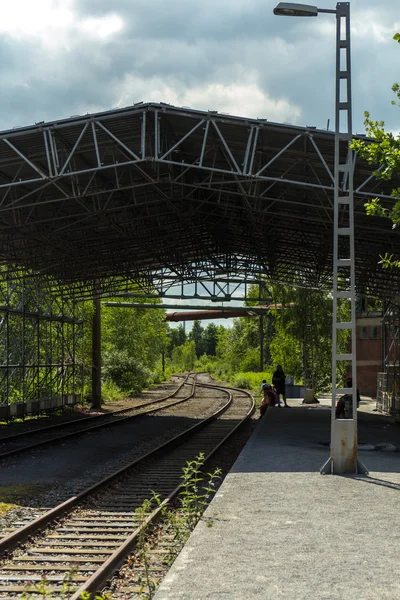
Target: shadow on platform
[[297, 440]]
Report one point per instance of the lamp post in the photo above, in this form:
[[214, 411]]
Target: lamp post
[[344, 439]]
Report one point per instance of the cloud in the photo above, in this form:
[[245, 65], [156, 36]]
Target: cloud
[[246, 96], [61, 58], [54, 24]]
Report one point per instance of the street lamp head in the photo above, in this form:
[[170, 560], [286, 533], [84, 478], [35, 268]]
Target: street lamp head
[[292, 9]]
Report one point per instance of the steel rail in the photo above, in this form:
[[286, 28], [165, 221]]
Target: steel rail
[[96, 426], [88, 417], [99, 578], [12, 540]]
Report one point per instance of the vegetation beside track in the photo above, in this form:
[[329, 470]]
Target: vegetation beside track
[[118, 496], [5, 508], [12, 495], [297, 333]]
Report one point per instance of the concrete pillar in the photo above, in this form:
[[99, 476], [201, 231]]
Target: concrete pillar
[[96, 351], [344, 447]]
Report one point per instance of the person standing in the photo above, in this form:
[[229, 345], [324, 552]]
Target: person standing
[[277, 401], [279, 381]]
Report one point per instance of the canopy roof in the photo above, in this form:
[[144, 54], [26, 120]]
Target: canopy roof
[[153, 191]]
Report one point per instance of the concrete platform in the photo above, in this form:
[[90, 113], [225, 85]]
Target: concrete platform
[[280, 530]]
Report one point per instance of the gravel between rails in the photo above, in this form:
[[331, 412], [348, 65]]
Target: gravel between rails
[[36, 440], [58, 491], [70, 416], [124, 583], [123, 491]]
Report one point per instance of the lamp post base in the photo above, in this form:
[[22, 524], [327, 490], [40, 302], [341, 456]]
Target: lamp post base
[[329, 468], [343, 459]]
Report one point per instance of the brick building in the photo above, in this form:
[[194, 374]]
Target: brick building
[[370, 351]]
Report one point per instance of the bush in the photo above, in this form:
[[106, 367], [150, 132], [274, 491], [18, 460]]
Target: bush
[[251, 360], [110, 392], [241, 382], [251, 381], [184, 357], [158, 376], [206, 363], [126, 371]]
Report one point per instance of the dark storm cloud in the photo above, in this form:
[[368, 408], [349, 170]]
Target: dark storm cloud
[[185, 46]]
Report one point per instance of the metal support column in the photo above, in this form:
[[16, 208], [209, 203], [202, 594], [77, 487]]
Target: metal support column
[[261, 326], [344, 439], [96, 350]]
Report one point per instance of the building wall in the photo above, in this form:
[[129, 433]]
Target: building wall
[[369, 353]]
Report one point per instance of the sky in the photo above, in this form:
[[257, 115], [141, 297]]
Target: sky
[[66, 57], [60, 58]]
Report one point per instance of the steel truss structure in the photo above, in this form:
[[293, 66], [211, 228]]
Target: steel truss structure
[[159, 201], [153, 193], [388, 399], [41, 337]]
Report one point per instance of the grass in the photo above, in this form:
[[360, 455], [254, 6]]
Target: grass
[[4, 508], [12, 495], [250, 380]]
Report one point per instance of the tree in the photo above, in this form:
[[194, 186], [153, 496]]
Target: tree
[[132, 343], [184, 357], [210, 339], [384, 152], [302, 340], [196, 335], [238, 347], [177, 337]]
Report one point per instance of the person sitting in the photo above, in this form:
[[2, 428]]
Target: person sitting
[[268, 400], [346, 399]]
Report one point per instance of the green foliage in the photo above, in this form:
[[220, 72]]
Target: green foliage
[[141, 332], [146, 585], [297, 334], [43, 589], [132, 343], [184, 357], [5, 507], [196, 491], [384, 153], [205, 339], [237, 346], [177, 337], [111, 392], [302, 340], [14, 494], [251, 381], [251, 360], [196, 335], [210, 340], [125, 370], [195, 495]]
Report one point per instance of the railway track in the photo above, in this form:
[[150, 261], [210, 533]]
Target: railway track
[[96, 530], [21, 442]]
